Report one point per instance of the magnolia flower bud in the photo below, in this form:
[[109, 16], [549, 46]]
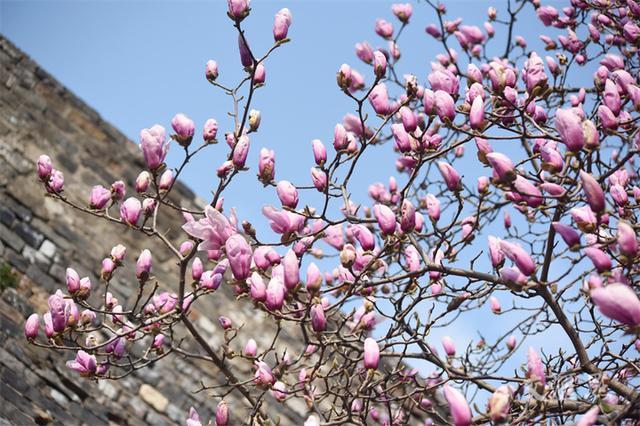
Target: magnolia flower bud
[[319, 152], [225, 322], [240, 152], [371, 354], [222, 414], [143, 181], [275, 294], [45, 166], [386, 219], [166, 180], [500, 403], [627, 240], [211, 70], [450, 175], [32, 327], [73, 281], [476, 115], [259, 75], [458, 406], [130, 211], [154, 148], [56, 181], [379, 99], [266, 165], [568, 234], [535, 369], [197, 268], [379, 64], [291, 270], [251, 348], [239, 254], [314, 278], [593, 192], [57, 311], [238, 9], [184, 128], [210, 130], [281, 24], [319, 179], [108, 266], [143, 265], [254, 120], [511, 342], [449, 346], [318, 320], [287, 193], [619, 302], [503, 167], [99, 197]]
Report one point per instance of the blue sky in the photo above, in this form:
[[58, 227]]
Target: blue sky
[[138, 63]]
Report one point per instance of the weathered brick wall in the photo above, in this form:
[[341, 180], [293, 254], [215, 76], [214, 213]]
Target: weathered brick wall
[[39, 239]]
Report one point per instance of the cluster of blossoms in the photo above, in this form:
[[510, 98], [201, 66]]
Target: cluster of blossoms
[[423, 251]]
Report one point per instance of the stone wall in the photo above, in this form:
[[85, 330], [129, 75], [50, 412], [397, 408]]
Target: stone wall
[[40, 238]]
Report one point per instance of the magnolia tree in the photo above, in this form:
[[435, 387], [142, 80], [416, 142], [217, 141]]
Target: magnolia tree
[[364, 284]]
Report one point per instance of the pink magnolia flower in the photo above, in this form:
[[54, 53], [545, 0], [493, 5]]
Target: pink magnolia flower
[[519, 257], [283, 221], [214, 229], [619, 302], [263, 375], [458, 406], [193, 419], [84, 364]]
